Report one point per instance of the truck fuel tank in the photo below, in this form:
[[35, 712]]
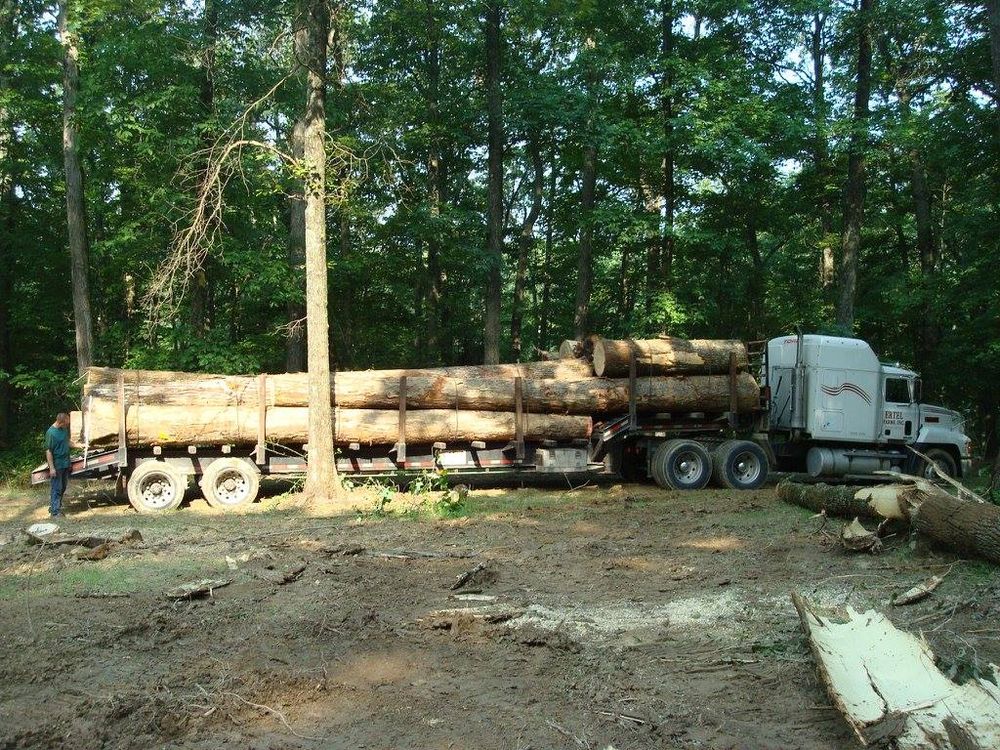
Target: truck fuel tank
[[838, 462]]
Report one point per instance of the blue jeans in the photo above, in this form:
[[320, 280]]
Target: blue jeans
[[57, 488]]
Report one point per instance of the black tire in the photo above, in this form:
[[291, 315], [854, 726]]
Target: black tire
[[942, 458], [156, 487], [740, 465], [230, 483], [681, 465]]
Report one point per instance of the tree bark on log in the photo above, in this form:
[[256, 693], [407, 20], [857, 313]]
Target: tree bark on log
[[966, 527], [963, 526], [834, 500], [667, 356], [570, 349], [556, 369], [212, 425], [361, 390]]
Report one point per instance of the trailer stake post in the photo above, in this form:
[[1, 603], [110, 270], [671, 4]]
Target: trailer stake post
[[633, 419], [122, 431], [401, 442], [261, 419], [519, 419], [734, 402]]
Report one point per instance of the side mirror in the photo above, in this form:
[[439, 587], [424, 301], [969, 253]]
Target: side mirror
[[918, 391]]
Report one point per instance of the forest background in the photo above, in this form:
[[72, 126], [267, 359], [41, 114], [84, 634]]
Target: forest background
[[500, 176]]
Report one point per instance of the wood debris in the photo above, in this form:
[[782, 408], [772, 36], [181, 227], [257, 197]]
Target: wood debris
[[197, 589], [885, 683], [918, 592], [857, 538]]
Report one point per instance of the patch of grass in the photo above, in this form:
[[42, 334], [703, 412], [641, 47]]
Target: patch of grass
[[110, 576]]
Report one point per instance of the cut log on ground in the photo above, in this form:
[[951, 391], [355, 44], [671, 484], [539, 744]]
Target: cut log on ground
[[961, 525], [885, 683], [842, 501], [359, 390], [667, 356], [212, 425]]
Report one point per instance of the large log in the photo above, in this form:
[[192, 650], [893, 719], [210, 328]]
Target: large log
[[845, 502], [964, 526], [359, 390], [212, 425], [667, 356], [556, 369], [570, 349]]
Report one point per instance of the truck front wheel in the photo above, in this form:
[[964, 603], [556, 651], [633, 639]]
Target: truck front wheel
[[740, 465], [681, 465], [943, 459], [230, 483], [156, 486]]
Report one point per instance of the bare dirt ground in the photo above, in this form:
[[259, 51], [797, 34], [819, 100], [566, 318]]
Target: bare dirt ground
[[623, 616]]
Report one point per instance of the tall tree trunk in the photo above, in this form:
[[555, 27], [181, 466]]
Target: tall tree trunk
[[585, 268], [993, 8], [8, 30], [435, 175], [667, 116], [321, 479], [543, 318], [854, 193], [524, 245], [821, 150], [295, 343], [206, 97], [76, 215], [494, 252]]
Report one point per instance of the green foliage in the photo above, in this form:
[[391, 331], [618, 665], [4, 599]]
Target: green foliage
[[759, 158]]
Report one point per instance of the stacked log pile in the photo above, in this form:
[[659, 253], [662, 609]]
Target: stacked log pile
[[559, 398]]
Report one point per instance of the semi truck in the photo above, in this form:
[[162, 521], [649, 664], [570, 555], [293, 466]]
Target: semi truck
[[827, 407]]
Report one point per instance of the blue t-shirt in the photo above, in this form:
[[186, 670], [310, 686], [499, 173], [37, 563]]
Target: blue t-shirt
[[57, 441]]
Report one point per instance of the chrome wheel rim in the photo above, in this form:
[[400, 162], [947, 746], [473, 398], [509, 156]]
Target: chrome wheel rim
[[156, 491], [746, 467], [231, 487], [688, 467]]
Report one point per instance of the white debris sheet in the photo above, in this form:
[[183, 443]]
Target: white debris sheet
[[887, 686]]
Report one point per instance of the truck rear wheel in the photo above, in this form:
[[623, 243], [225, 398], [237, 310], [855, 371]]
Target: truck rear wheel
[[156, 486], [740, 465], [230, 483], [681, 465]]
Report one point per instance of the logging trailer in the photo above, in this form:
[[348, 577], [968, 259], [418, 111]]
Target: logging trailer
[[827, 406]]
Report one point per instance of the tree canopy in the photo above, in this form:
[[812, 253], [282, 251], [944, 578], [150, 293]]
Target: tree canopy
[[698, 151]]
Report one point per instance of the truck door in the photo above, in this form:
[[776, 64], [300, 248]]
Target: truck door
[[899, 412]]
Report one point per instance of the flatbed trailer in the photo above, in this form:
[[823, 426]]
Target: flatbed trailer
[[673, 449]]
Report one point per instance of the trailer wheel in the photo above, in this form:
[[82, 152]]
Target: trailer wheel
[[943, 459], [681, 465], [740, 465], [155, 487], [230, 483]]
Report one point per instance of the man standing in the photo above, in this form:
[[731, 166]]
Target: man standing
[[57, 456]]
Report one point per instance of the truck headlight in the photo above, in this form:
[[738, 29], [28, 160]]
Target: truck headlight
[[968, 447]]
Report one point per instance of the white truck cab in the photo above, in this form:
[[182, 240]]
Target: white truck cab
[[838, 410]]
